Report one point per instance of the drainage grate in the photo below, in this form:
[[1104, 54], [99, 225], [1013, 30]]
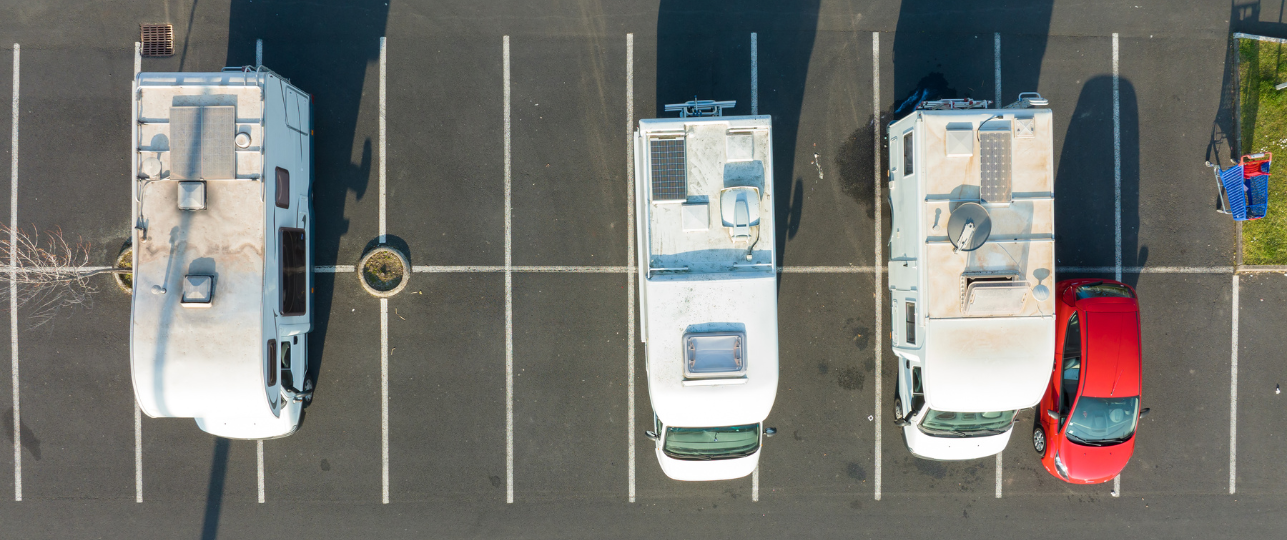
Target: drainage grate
[[157, 39]]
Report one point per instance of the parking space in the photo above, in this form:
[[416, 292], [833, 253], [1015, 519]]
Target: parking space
[[445, 203], [569, 162], [447, 389], [1262, 372], [824, 402], [446, 173], [569, 386]]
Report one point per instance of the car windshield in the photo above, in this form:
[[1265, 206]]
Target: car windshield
[[1103, 290], [712, 443], [1103, 421], [959, 424]]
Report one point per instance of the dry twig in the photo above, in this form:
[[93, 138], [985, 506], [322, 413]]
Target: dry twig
[[46, 276]]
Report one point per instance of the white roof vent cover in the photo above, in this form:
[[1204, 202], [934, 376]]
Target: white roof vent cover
[[960, 139], [995, 298]]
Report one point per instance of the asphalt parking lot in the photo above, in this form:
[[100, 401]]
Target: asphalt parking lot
[[491, 137]]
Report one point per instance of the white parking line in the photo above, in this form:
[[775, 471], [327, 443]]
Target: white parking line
[[259, 459], [259, 61], [13, 283], [384, 400], [1233, 396], [996, 65], [599, 269], [340, 269], [755, 75], [999, 474], [1117, 486], [1117, 162], [138, 414], [383, 167], [509, 301], [880, 297], [630, 258], [755, 484], [1147, 269]]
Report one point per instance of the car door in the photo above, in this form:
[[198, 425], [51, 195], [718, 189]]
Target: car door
[[1069, 371]]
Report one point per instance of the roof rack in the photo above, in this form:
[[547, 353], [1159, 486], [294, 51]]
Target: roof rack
[[700, 107]]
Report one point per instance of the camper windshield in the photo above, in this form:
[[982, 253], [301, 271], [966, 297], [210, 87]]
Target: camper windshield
[[961, 424], [712, 443]]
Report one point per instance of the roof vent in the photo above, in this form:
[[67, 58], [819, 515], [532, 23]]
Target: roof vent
[[960, 139], [198, 291], [192, 195], [714, 355], [996, 294]]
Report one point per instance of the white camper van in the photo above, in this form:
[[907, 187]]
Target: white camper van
[[708, 286], [222, 301], [971, 268]]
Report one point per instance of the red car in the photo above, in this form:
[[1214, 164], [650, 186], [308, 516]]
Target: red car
[[1086, 423]]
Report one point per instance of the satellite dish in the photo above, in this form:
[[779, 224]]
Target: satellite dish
[[151, 168], [969, 226]]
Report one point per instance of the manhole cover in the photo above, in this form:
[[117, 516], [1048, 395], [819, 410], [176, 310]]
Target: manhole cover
[[157, 39]]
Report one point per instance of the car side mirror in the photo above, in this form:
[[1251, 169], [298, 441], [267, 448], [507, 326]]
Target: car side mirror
[[651, 435], [900, 422], [1143, 412], [1052, 414], [769, 432]]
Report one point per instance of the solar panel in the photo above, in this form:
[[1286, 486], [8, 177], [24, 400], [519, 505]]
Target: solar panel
[[669, 170], [201, 142], [994, 166]]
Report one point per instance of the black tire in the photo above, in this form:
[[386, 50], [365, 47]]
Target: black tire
[[1039, 440], [898, 408]]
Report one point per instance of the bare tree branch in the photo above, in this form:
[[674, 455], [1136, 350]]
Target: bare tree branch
[[46, 272]]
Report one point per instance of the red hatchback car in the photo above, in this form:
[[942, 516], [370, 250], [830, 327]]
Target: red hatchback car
[[1086, 423]]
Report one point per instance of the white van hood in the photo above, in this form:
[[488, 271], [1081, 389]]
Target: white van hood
[[954, 448]]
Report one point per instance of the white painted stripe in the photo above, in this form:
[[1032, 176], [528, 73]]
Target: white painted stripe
[[996, 66], [1233, 396], [259, 61], [383, 168], [509, 300], [340, 269], [384, 400], [138, 414], [999, 474], [880, 297], [608, 269], [1117, 164], [630, 258], [755, 484], [259, 459], [13, 283], [138, 454], [1148, 269], [755, 74], [1117, 486]]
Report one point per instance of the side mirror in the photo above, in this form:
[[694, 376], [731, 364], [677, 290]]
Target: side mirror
[[1052, 414], [1143, 412], [769, 432], [900, 422], [651, 435]]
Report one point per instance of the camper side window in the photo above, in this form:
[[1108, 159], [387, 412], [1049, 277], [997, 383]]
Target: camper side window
[[271, 364], [911, 323], [907, 153], [283, 188], [294, 284]]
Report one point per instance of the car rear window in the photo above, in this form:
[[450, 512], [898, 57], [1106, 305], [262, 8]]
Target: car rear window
[[1103, 290]]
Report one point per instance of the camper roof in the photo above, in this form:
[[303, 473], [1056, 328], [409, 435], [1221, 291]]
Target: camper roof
[[196, 333], [1001, 160]]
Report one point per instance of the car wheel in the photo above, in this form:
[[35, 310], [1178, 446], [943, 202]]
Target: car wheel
[[898, 408], [1039, 440]]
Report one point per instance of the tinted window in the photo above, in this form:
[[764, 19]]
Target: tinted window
[[911, 323], [288, 377], [712, 443], [963, 424], [283, 188], [1103, 421], [294, 283], [270, 365], [1070, 370], [907, 154], [1103, 290]]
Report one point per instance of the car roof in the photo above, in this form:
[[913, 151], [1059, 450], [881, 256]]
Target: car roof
[[1111, 361]]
